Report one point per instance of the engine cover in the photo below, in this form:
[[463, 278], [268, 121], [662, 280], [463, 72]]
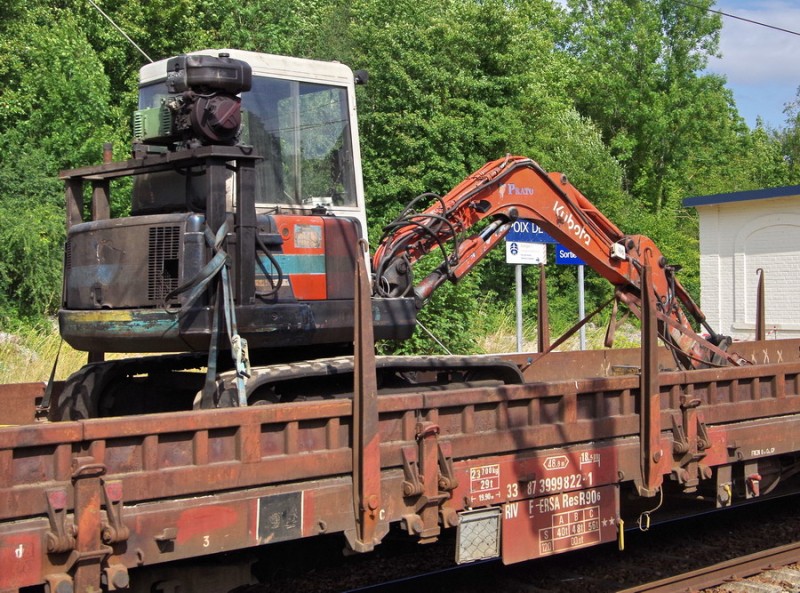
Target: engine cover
[[123, 279]]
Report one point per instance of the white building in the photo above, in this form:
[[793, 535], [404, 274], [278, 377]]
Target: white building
[[741, 233]]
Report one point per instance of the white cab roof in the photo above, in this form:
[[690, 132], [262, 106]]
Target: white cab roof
[[266, 65]]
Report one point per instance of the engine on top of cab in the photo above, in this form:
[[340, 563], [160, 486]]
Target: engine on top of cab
[[247, 205]]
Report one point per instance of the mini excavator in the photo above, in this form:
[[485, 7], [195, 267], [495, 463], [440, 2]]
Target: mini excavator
[[236, 261]]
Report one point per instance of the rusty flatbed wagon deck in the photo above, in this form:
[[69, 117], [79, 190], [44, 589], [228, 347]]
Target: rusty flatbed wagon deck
[[85, 502]]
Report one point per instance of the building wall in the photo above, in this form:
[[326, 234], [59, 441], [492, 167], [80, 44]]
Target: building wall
[[736, 240]]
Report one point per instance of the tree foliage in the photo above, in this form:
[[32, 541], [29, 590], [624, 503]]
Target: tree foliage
[[54, 114]]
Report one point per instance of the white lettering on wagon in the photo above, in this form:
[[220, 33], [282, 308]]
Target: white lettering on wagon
[[512, 510], [563, 501], [762, 452], [556, 462], [574, 522], [559, 522], [484, 483], [558, 483], [590, 458]]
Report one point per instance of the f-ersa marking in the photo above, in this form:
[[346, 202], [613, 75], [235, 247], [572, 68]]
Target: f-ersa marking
[[563, 501], [565, 217], [560, 522]]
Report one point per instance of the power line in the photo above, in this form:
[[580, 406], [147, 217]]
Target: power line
[[124, 34], [739, 18]]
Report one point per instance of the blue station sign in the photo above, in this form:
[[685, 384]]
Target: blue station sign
[[565, 257], [527, 231]]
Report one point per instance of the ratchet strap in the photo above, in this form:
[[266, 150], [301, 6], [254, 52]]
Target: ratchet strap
[[219, 264]]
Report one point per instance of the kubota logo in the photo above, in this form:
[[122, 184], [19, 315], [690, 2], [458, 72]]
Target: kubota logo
[[572, 224]]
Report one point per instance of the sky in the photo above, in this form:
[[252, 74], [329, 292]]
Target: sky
[[762, 65]]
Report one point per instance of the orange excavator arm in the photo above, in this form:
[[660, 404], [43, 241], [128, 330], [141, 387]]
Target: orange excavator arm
[[517, 187]]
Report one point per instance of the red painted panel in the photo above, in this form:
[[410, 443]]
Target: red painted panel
[[493, 480], [304, 241], [309, 287], [201, 522], [20, 560], [558, 523]]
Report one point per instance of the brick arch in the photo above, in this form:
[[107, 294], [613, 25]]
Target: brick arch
[[772, 243]]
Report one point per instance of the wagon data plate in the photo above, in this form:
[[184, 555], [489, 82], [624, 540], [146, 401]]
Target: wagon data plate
[[538, 527]]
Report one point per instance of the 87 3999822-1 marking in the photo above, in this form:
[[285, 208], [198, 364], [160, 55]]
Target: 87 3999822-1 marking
[[552, 484]]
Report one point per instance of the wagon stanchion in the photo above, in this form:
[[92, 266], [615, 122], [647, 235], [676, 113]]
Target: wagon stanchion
[[651, 453], [761, 325], [366, 438]]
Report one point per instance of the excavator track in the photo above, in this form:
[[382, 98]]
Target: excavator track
[[174, 382], [329, 378]]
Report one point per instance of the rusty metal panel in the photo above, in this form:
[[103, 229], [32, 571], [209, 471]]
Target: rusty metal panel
[[310, 440], [243, 477], [182, 528], [560, 366], [495, 480], [21, 557], [19, 402]]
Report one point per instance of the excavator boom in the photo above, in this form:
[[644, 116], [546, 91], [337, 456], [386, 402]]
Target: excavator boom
[[517, 187]]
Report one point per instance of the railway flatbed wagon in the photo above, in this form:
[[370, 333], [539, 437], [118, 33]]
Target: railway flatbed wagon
[[519, 471], [265, 415]]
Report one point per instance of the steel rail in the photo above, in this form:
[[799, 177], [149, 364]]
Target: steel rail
[[412, 581], [716, 574]]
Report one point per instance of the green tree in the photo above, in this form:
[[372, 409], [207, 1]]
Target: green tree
[[787, 140], [639, 64], [610, 93], [453, 85], [54, 114]]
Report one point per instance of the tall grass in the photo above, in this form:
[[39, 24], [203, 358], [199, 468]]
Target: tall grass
[[27, 354], [497, 333]]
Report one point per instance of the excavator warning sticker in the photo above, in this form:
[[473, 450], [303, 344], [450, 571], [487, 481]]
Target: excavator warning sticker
[[560, 522], [307, 236]]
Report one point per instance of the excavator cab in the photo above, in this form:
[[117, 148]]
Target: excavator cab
[[303, 130], [247, 206]]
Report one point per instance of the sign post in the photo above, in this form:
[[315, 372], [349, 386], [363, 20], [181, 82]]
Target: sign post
[[565, 257], [525, 244]]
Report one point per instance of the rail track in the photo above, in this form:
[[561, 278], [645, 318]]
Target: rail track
[[767, 564]]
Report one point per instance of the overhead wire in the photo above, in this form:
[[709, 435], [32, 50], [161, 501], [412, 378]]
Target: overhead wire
[[738, 18], [117, 27]]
